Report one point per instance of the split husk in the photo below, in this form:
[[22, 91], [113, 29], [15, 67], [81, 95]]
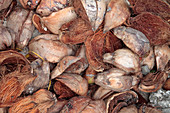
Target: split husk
[[154, 27], [63, 91], [140, 6], [75, 82], [43, 43], [36, 19], [153, 81], [116, 80], [39, 102], [133, 39], [117, 13], [84, 105], [75, 32], [15, 76], [123, 59], [71, 64], [19, 21], [119, 100], [97, 45], [162, 54], [6, 39], [46, 7], [55, 20]]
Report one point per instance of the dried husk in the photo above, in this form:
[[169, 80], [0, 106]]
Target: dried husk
[[12, 85], [15, 76], [158, 7], [90, 7], [116, 80], [62, 90], [84, 105], [29, 4], [129, 109], [148, 109], [75, 82], [4, 4], [96, 46], [101, 10], [79, 66], [94, 51], [109, 45], [36, 19], [117, 13], [71, 64], [5, 38], [43, 43], [5, 12], [91, 11], [162, 54], [46, 7], [123, 59], [64, 63], [57, 106], [39, 102], [149, 60], [155, 29], [54, 21], [96, 106], [76, 32], [119, 100], [75, 105], [41, 69], [166, 86], [80, 11], [153, 81], [133, 39], [102, 93], [20, 22]]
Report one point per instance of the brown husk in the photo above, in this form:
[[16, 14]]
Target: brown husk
[[119, 100], [153, 81], [157, 7], [56, 19], [156, 30], [76, 32], [117, 13], [162, 54], [75, 82], [36, 19], [20, 22], [46, 7], [43, 43], [116, 80], [84, 105], [15, 76], [39, 102], [6, 38], [62, 90], [123, 59], [166, 86], [96, 46], [57, 106], [29, 4]]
